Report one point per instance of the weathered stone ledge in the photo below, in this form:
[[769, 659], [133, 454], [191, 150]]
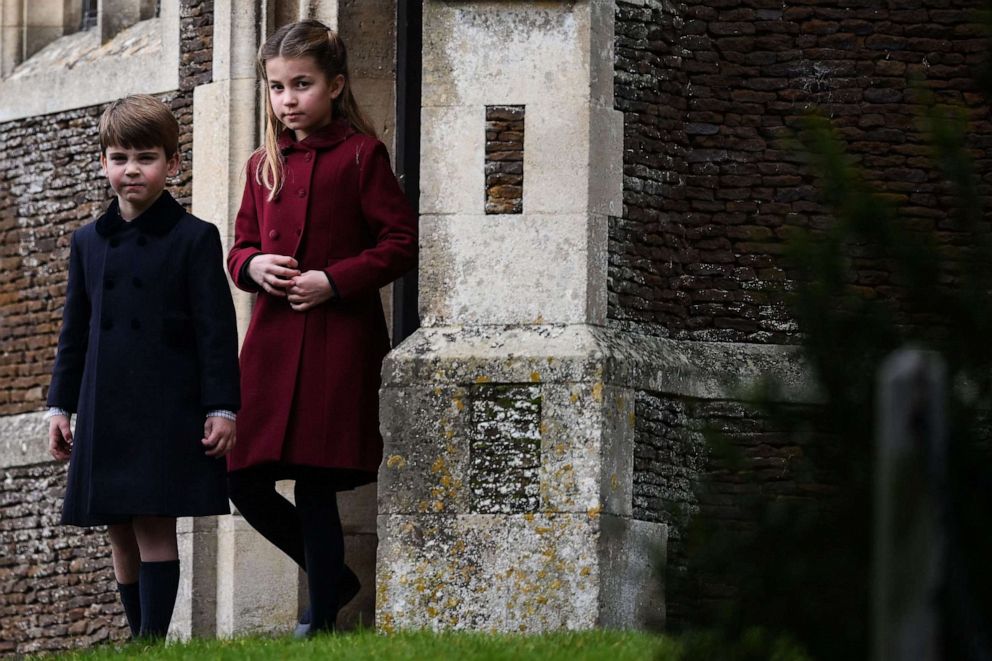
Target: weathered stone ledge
[[23, 439], [583, 353]]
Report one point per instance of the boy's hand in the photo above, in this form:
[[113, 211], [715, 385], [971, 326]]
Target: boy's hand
[[59, 437], [309, 290], [219, 436], [273, 273]]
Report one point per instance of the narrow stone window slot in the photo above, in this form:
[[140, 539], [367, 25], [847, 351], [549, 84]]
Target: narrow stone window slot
[[504, 159]]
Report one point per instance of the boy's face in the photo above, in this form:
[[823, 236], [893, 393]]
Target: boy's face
[[138, 176]]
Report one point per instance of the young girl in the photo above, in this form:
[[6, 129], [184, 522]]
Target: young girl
[[323, 225], [148, 358]]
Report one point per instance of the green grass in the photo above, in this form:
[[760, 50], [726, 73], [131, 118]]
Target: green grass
[[607, 645]]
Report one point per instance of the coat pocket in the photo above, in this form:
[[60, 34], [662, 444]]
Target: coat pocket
[[178, 332]]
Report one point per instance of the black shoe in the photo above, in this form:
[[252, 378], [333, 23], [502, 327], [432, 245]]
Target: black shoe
[[348, 588]]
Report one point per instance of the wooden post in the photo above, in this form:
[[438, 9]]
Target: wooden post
[[910, 539]]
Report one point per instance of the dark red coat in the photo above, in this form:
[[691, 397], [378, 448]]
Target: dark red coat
[[310, 380]]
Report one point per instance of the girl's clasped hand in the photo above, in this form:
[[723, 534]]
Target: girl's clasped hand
[[279, 275]]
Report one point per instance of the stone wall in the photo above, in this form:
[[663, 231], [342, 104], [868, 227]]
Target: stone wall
[[58, 589], [672, 454], [710, 89]]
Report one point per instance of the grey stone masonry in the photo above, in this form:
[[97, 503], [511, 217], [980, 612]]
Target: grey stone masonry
[[505, 493]]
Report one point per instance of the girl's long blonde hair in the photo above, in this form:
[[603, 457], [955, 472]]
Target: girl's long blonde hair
[[309, 38]]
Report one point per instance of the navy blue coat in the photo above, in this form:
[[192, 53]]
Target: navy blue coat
[[148, 346]]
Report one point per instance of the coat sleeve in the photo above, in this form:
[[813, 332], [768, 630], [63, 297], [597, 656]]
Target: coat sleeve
[[247, 236], [214, 323], [67, 375], [392, 224]]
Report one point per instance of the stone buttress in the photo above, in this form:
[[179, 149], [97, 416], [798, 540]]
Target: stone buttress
[[505, 493]]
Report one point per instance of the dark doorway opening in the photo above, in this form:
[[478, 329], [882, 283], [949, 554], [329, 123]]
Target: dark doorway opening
[[409, 51]]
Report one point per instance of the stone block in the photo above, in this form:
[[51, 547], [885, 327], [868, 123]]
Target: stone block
[[570, 447], [453, 151], [537, 261], [526, 573], [587, 448], [426, 464], [222, 142], [24, 439], [234, 49], [617, 451], [444, 356], [195, 614], [358, 509], [257, 585], [633, 555], [360, 555], [520, 573], [485, 53]]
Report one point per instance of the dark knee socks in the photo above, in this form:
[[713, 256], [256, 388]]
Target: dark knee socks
[[158, 584], [131, 600], [323, 538], [254, 493]]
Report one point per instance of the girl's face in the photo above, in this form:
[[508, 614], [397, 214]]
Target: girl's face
[[300, 93]]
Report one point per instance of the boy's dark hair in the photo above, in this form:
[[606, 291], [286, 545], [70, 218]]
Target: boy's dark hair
[[139, 121]]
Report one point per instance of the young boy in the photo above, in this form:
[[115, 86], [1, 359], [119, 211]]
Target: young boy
[[147, 359]]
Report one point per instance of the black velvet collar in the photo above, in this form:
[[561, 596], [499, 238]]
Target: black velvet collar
[[157, 219], [324, 137]]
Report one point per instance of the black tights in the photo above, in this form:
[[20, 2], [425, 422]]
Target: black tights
[[310, 533]]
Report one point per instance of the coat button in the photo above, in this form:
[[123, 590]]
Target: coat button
[[301, 193], [107, 323], [135, 324], [273, 234], [142, 240], [108, 283], [308, 157], [137, 283]]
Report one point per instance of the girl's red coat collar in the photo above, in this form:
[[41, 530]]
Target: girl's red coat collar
[[324, 137]]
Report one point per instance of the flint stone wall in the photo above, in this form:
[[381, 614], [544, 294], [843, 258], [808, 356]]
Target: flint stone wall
[[709, 90]]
